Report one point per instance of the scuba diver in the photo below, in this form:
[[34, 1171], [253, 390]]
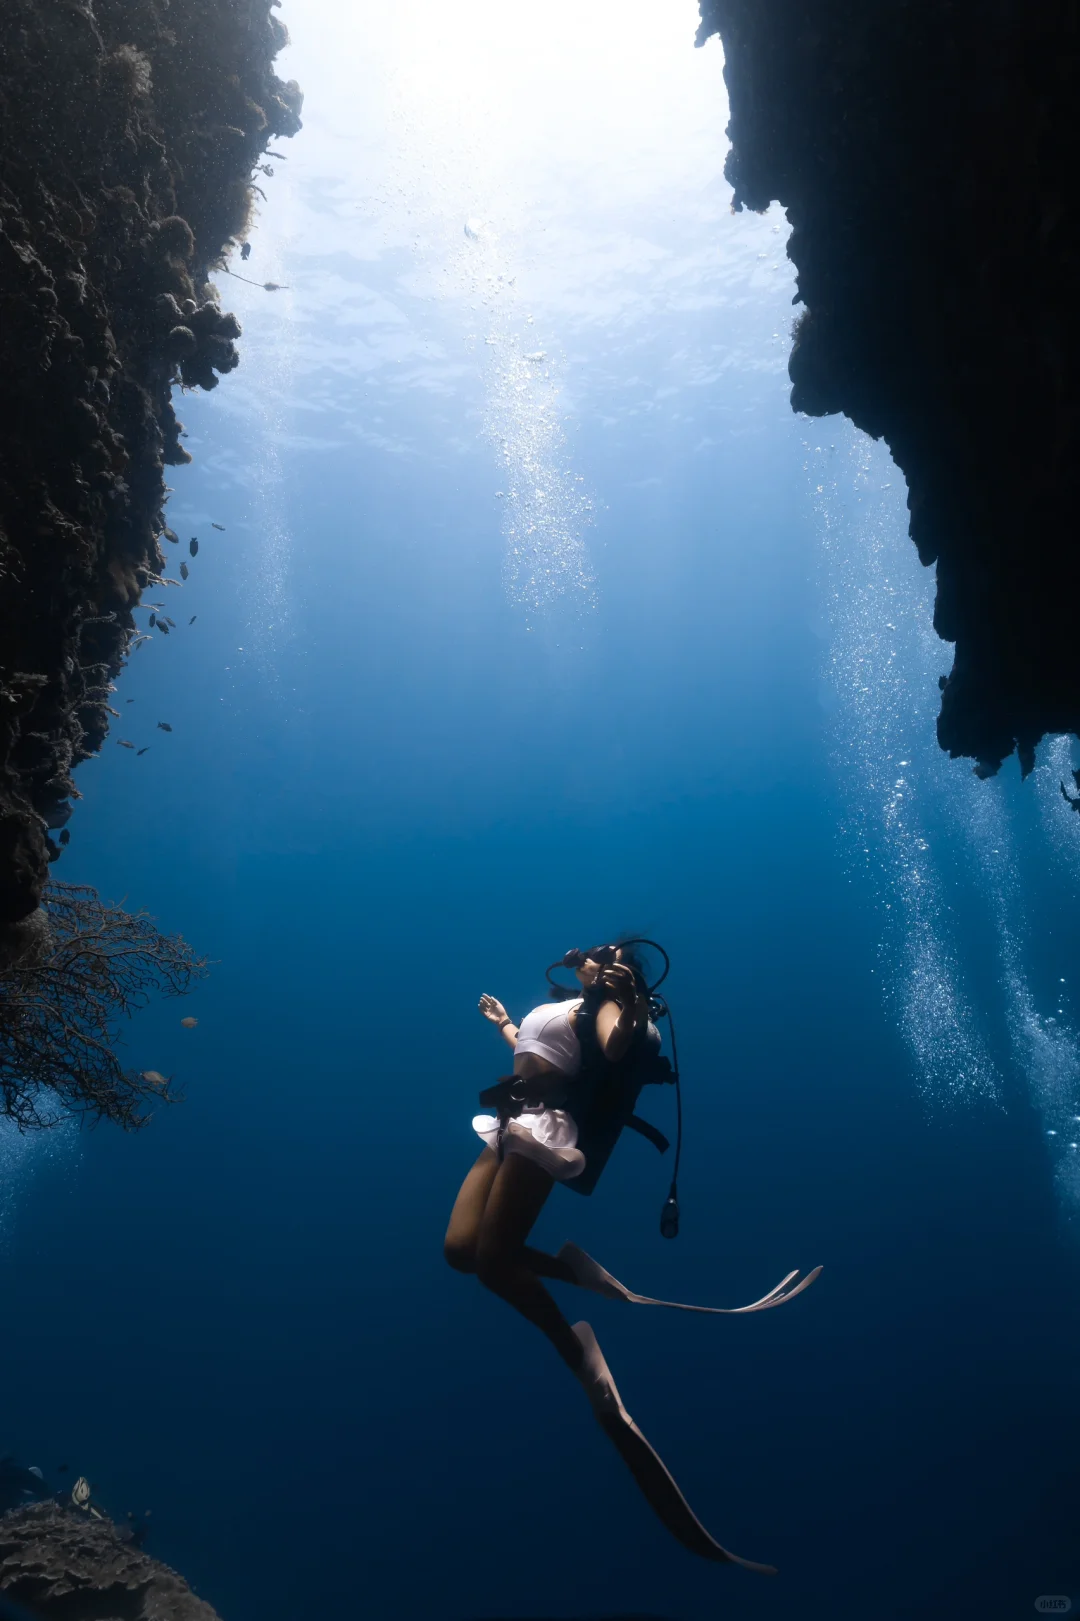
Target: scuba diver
[[580, 1063]]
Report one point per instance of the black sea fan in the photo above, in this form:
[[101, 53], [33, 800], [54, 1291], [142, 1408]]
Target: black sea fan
[[89, 966]]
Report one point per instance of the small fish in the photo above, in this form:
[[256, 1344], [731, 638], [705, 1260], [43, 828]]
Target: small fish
[[162, 626], [245, 251], [65, 837], [183, 571], [96, 1512], [34, 1470], [141, 751], [170, 534], [189, 1023], [193, 546], [80, 1492], [220, 526], [123, 743], [155, 1077], [169, 621], [193, 618], [163, 726], [129, 700], [153, 620]]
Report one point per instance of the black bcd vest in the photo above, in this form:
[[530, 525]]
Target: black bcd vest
[[601, 1097]]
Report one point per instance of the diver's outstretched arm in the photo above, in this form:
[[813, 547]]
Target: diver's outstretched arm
[[647, 1467], [589, 1274]]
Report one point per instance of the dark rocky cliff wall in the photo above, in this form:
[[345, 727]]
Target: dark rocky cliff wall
[[129, 130], [924, 152]]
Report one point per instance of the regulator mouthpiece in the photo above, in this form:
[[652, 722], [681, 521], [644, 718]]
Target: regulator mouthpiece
[[605, 955], [669, 1217]]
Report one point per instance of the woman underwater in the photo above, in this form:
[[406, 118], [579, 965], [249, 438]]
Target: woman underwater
[[571, 1057]]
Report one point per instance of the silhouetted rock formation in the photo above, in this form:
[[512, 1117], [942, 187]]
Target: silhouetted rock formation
[[63, 1564], [923, 151], [129, 132]]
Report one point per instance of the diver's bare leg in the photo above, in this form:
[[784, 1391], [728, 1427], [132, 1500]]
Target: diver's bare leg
[[517, 1196], [459, 1245], [509, 1200]]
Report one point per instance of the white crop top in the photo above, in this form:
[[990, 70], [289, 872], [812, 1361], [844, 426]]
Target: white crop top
[[548, 1032]]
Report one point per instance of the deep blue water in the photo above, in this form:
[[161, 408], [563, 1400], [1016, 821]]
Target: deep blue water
[[400, 776]]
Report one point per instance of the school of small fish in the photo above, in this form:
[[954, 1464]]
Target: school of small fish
[[159, 620], [80, 1495]]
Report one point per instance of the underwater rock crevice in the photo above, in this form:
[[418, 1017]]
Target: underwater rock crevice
[[924, 154], [130, 130]]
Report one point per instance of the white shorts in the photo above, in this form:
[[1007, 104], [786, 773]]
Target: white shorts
[[546, 1136]]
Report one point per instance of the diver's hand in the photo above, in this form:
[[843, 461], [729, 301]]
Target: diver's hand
[[618, 982], [492, 1009]]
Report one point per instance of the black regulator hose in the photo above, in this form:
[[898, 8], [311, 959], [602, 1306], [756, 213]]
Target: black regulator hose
[[669, 1215]]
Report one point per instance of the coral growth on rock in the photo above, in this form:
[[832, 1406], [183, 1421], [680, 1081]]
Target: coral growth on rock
[[65, 989], [129, 130], [63, 1564], [923, 152]]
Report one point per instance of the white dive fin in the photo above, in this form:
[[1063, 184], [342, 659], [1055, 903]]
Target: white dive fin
[[647, 1467], [589, 1274]]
